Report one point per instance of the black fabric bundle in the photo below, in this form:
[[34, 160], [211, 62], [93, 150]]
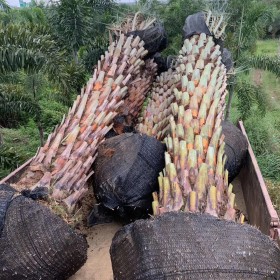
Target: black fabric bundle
[[34, 243], [235, 149], [155, 38], [126, 171], [184, 246], [195, 25]]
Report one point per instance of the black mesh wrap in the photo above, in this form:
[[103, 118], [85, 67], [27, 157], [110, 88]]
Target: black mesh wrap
[[126, 172], [179, 245], [36, 244], [161, 63], [6, 196], [155, 38], [227, 59], [235, 149], [195, 24]]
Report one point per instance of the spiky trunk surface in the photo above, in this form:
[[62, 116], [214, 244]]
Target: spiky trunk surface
[[138, 89], [155, 119], [194, 178], [63, 165]]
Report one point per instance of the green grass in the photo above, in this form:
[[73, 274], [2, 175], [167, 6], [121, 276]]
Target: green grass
[[264, 131], [267, 47], [23, 142], [271, 86]]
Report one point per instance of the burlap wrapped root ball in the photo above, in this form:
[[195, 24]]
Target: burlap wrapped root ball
[[35, 243], [236, 147], [126, 174], [185, 246]]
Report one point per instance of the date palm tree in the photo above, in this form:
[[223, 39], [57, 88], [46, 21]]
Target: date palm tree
[[73, 20], [4, 6], [243, 31], [31, 48]]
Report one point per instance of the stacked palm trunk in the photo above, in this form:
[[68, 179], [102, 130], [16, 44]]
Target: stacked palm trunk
[[188, 115], [151, 31], [155, 119], [138, 89], [119, 85]]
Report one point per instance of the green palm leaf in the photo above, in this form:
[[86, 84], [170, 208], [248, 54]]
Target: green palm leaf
[[14, 107], [4, 6], [264, 62], [249, 95]]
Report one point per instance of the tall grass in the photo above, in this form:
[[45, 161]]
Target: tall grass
[[264, 130]]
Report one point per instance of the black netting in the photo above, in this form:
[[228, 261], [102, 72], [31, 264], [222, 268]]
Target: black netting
[[36, 244], [195, 24], [227, 59], [161, 63], [235, 149], [126, 172], [155, 38], [193, 246], [6, 196]]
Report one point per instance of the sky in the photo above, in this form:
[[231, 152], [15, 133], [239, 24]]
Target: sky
[[15, 3]]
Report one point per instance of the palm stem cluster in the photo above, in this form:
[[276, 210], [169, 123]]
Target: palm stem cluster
[[63, 165], [186, 110]]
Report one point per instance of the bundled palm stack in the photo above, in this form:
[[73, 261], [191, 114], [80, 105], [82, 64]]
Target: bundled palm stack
[[62, 167], [151, 31], [155, 121], [194, 178], [189, 115]]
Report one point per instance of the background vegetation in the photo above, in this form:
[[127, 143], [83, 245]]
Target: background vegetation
[[48, 52]]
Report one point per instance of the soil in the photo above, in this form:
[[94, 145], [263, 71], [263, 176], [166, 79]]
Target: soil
[[257, 77], [239, 197], [98, 265]]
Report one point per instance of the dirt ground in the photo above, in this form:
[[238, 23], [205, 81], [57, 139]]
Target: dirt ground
[[98, 265]]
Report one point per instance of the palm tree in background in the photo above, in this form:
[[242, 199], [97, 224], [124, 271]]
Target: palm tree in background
[[4, 6], [243, 30], [37, 47]]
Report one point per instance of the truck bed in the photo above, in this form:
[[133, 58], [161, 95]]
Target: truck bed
[[252, 199]]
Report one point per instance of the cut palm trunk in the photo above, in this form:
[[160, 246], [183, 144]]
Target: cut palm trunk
[[155, 118], [138, 89], [62, 167], [194, 178], [151, 31]]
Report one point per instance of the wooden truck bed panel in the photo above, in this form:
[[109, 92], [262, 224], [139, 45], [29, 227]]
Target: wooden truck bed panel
[[260, 209]]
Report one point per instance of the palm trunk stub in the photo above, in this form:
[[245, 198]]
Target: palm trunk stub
[[194, 160], [63, 165]]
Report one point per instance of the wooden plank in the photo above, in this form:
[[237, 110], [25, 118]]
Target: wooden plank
[[15, 175], [277, 235], [260, 210]]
